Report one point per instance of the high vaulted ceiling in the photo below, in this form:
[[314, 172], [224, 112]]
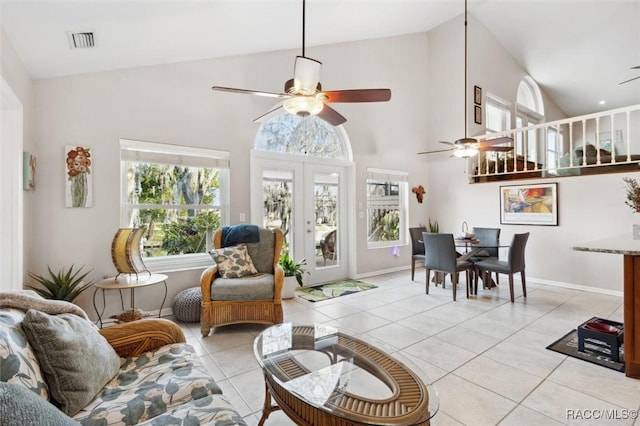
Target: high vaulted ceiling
[[577, 50]]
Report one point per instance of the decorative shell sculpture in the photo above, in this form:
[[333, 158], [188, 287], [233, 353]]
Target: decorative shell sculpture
[[130, 315]]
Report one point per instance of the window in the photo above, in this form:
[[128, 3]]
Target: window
[[179, 195], [312, 136], [387, 195], [526, 142], [529, 112], [529, 96], [498, 115], [498, 120]]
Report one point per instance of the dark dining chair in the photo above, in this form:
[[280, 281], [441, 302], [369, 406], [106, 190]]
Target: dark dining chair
[[440, 256], [489, 240], [514, 263], [417, 247]]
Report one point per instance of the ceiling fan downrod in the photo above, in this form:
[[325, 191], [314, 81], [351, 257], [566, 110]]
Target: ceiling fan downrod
[[304, 7]]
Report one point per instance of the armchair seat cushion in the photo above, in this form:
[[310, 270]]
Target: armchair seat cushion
[[255, 287]]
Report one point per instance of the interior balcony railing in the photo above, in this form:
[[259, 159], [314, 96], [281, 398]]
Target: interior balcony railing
[[603, 142]]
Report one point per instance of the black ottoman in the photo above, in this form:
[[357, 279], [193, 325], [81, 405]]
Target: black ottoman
[[186, 305]]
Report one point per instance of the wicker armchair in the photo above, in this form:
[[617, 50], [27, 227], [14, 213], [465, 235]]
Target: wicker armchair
[[245, 300]]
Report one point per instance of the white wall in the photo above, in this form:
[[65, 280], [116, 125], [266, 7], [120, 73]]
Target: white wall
[[174, 104], [590, 207], [17, 136]]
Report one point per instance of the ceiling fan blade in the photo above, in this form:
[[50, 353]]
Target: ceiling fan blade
[[637, 67], [437, 150], [250, 92], [357, 95], [272, 112], [448, 143], [497, 141], [306, 74], [496, 148], [631, 79], [331, 116]]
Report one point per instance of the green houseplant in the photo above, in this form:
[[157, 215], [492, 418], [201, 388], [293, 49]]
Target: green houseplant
[[293, 269], [633, 194], [64, 285]]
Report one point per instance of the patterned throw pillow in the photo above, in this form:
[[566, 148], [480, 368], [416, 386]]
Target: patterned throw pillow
[[18, 362], [233, 261]]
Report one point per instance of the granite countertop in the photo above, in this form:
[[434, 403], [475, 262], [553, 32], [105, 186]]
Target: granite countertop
[[620, 244]]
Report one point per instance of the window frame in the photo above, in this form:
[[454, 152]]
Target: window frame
[[147, 151], [505, 109], [402, 179]]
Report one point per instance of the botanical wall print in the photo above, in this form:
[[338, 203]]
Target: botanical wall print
[[79, 182], [529, 204], [28, 171]]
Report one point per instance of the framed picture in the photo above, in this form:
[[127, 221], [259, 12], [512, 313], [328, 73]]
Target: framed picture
[[28, 171], [78, 178], [478, 115], [535, 204], [477, 95]]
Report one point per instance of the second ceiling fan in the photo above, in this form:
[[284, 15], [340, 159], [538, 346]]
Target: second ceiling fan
[[303, 94], [468, 147]]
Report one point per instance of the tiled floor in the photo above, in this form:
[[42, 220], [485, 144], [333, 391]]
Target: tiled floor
[[485, 356]]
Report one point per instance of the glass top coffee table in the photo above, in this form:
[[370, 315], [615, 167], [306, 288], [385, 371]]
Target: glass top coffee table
[[319, 375]]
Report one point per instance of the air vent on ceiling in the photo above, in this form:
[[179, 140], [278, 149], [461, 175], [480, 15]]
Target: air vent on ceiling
[[80, 40]]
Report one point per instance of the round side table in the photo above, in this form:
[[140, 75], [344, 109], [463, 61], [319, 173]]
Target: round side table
[[130, 282]]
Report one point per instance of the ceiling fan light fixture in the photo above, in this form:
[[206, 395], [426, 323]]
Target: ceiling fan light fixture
[[466, 152], [303, 105]]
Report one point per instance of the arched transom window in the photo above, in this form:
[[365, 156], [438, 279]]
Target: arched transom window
[[529, 96], [312, 136]]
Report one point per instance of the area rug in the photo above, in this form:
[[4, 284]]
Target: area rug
[[331, 290], [568, 345]]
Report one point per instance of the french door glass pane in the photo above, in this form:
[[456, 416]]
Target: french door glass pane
[[326, 196], [277, 188]]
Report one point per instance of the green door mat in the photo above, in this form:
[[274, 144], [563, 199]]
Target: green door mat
[[331, 290]]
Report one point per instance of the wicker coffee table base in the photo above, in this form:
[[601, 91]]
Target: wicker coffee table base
[[407, 406]]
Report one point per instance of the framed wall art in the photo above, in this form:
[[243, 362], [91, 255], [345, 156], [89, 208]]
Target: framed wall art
[[79, 182], [28, 171], [535, 204], [477, 116], [477, 95]]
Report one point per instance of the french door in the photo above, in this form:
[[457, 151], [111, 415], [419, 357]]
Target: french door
[[307, 199]]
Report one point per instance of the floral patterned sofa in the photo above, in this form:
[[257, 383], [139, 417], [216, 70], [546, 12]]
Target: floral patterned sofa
[[57, 368]]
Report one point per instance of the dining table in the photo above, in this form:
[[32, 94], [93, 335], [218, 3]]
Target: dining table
[[472, 247]]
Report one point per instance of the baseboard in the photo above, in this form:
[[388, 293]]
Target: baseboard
[[381, 272], [551, 283], [576, 287]]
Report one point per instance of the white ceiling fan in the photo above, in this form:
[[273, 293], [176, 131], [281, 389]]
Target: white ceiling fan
[[468, 147], [303, 94]]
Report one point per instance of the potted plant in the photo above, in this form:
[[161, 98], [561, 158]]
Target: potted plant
[[293, 273], [64, 285], [433, 227], [633, 201]]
